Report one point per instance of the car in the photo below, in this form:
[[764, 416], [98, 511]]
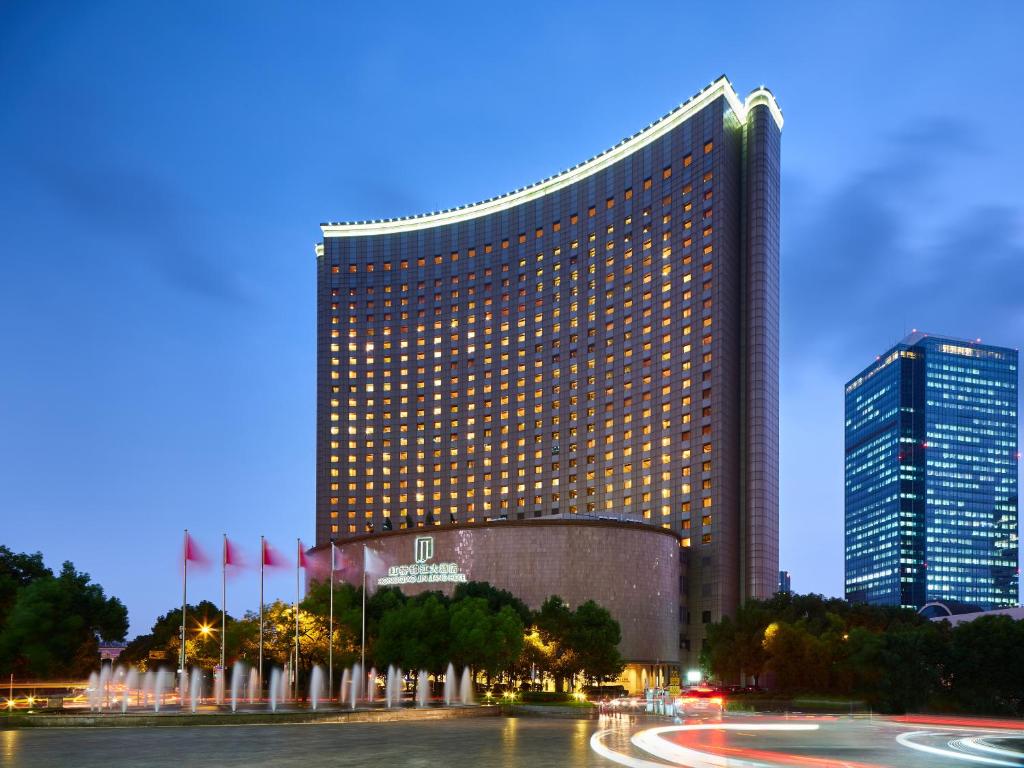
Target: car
[[697, 702]]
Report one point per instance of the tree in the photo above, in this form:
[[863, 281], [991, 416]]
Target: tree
[[53, 625], [536, 656], [506, 640], [347, 622], [17, 571], [554, 623], [594, 636], [891, 657], [496, 598], [585, 640], [377, 605], [415, 635], [482, 639], [736, 646], [911, 660], [986, 665], [165, 638]]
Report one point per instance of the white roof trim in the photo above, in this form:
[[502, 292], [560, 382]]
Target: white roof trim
[[721, 87]]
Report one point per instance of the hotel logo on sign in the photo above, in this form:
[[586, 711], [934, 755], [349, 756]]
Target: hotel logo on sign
[[423, 548]]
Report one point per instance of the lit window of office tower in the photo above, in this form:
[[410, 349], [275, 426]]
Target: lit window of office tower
[[931, 475], [602, 343]]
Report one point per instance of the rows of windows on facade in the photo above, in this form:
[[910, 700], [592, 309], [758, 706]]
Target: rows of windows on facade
[[932, 475], [487, 402]]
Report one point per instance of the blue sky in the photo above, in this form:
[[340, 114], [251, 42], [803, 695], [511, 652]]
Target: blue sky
[[163, 170]]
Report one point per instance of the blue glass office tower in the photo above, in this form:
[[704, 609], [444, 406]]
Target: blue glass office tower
[[931, 475]]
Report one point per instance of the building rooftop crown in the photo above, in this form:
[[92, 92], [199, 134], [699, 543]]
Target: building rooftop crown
[[721, 87]]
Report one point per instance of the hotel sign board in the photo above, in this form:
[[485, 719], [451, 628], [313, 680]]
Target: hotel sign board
[[422, 570]]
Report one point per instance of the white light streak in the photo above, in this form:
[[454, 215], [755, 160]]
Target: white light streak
[[721, 87], [651, 741], [906, 739]]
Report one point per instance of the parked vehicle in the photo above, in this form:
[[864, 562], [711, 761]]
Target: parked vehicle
[[700, 702]]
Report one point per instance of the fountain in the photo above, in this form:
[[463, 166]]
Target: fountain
[[356, 681], [449, 685], [274, 694], [466, 689], [316, 686], [116, 683], [389, 687], [422, 688], [104, 683], [237, 675], [131, 683], [93, 691], [346, 684], [195, 688], [147, 687], [119, 679], [254, 685], [218, 686], [159, 684], [371, 685]]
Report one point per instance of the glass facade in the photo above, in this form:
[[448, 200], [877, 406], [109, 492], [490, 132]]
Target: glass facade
[[931, 476], [603, 343]]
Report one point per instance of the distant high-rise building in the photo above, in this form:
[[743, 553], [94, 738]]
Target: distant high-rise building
[[931, 475], [785, 584], [600, 344]]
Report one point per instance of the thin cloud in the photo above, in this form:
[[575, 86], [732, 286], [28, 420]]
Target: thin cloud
[[134, 214], [895, 248]]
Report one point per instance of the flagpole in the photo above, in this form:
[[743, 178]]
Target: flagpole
[[298, 564], [263, 557], [362, 643], [223, 602], [184, 602], [330, 633]]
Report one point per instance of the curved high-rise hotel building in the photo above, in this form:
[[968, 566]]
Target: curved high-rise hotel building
[[599, 344]]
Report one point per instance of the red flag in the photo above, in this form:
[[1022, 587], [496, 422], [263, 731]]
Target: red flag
[[302, 555], [231, 554], [192, 551], [271, 557]]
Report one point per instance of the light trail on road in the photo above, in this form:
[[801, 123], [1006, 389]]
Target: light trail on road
[[909, 740], [652, 742], [834, 743]]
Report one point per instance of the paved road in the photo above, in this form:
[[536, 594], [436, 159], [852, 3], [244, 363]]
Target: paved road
[[811, 742], [531, 742]]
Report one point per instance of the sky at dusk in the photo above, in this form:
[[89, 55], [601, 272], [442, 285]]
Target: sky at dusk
[[164, 169]]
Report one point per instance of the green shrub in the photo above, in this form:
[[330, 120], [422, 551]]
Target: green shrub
[[543, 697]]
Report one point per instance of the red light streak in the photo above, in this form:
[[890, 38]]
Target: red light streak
[[960, 722]]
